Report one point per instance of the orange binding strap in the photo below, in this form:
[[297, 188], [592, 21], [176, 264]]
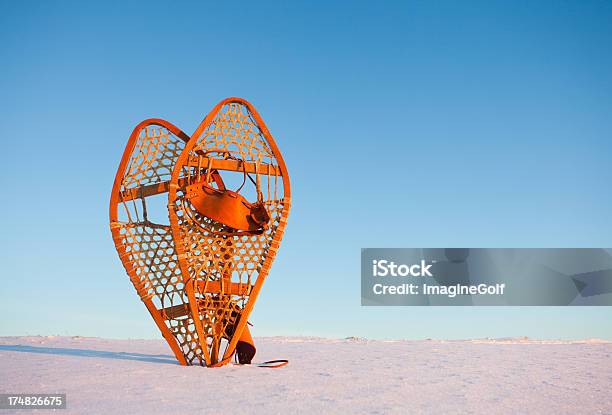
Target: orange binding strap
[[245, 351], [273, 364]]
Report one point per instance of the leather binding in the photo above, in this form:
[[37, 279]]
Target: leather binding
[[229, 207]]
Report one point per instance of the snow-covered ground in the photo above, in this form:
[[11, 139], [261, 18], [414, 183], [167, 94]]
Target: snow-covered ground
[[504, 376]]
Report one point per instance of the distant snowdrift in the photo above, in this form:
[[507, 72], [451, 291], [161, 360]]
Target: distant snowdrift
[[354, 375]]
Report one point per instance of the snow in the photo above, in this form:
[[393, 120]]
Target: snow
[[353, 375]]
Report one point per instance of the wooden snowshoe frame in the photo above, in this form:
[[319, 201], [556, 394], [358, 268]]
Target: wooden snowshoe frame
[[198, 284]]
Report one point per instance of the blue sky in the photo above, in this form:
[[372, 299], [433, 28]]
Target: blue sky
[[408, 124]]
